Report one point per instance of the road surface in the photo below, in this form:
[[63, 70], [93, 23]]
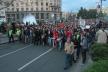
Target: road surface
[[18, 57]]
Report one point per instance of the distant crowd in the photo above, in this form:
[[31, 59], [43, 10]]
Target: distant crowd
[[73, 40]]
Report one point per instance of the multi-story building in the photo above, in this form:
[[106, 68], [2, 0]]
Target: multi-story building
[[2, 13], [105, 10], [41, 9], [2, 16]]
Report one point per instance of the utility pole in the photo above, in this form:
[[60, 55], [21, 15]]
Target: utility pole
[[101, 6]]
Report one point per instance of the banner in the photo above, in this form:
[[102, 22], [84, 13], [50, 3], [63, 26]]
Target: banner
[[61, 25], [82, 23]]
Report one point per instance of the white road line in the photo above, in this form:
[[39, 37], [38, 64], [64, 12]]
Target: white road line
[[21, 68], [14, 51]]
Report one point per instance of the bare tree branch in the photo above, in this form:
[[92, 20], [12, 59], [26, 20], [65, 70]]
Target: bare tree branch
[[6, 4]]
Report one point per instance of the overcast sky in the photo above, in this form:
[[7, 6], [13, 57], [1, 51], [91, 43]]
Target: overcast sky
[[74, 5]]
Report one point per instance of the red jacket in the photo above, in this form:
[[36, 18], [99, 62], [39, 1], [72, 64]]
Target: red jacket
[[68, 34], [55, 34]]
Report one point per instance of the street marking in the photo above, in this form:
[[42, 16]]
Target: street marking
[[21, 68], [14, 51]]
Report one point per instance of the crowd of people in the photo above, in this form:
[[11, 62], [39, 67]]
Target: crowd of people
[[74, 41]]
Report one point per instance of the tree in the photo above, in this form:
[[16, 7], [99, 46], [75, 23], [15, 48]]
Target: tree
[[5, 3], [87, 14]]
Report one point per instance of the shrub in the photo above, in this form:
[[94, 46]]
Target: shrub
[[99, 66], [99, 52]]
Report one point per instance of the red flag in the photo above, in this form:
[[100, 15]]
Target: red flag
[[61, 25]]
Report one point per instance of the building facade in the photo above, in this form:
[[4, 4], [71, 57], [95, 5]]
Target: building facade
[[2, 16], [105, 10], [41, 9], [2, 13]]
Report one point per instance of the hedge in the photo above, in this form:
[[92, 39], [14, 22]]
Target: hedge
[[100, 58], [99, 52], [99, 66]]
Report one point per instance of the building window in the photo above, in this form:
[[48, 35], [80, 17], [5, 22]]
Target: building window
[[13, 15], [42, 15], [2, 12], [27, 4], [46, 9], [22, 3], [47, 16], [8, 9], [22, 15], [8, 15], [17, 9], [36, 9], [31, 9], [41, 3], [41, 9], [52, 9], [32, 13], [51, 4], [55, 9], [36, 3], [46, 4], [37, 15], [17, 4], [9, 19], [27, 9], [12, 4], [31, 3], [12, 9], [17, 16], [22, 9]]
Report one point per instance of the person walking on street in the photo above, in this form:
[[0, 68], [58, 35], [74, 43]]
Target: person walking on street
[[78, 47], [84, 47], [18, 33], [10, 35], [36, 37], [101, 36], [69, 50], [74, 39]]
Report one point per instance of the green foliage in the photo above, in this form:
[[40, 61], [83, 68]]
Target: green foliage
[[100, 58], [99, 52], [87, 14], [100, 66]]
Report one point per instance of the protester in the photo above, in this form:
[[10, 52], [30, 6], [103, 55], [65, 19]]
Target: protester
[[55, 36], [75, 40], [101, 36], [50, 35], [79, 46], [18, 33], [69, 50], [84, 46], [11, 35], [69, 38], [36, 37]]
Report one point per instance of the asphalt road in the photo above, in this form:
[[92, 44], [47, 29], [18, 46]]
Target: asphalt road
[[18, 57]]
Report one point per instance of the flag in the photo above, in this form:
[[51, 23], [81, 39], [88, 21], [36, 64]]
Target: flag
[[61, 25]]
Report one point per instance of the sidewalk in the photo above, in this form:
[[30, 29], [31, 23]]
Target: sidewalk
[[79, 67], [4, 38]]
